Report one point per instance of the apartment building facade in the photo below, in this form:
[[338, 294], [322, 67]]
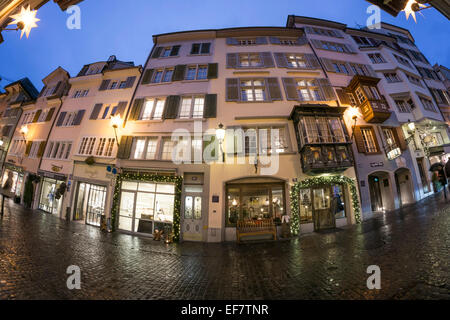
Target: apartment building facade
[[32, 131]]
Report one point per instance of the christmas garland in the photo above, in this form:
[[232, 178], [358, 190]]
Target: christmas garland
[[308, 183], [146, 177]]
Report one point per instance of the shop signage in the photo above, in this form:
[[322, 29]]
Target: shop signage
[[56, 168], [377, 164]]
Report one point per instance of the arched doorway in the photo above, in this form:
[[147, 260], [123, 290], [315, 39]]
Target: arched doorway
[[404, 186], [381, 195]]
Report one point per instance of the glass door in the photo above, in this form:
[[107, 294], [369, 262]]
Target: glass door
[[323, 216], [192, 218], [126, 210], [95, 204]]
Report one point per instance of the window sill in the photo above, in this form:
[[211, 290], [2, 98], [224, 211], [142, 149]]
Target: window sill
[[199, 55], [149, 121], [189, 120], [190, 81], [169, 57]]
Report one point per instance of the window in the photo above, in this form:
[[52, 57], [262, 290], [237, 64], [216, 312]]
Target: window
[[34, 149], [196, 72], [364, 41], [392, 149], [308, 90], [113, 111], [322, 32], [201, 48], [139, 146], [105, 112], [250, 60], [101, 146], [392, 77], [170, 51], [360, 95], [296, 61], [87, 145], [152, 144], [402, 60], [414, 80], [246, 42], [288, 42], [340, 67], [122, 84], [253, 90], [427, 104], [402, 106], [368, 136], [333, 46], [43, 115], [167, 75], [322, 130], [202, 72], [372, 92], [192, 107], [376, 58], [168, 146], [158, 76], [58, 150], [113, 85], [153, 109], [68, 120]]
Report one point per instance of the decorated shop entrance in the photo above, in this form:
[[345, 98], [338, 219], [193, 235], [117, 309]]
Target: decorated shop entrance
[[320, 201]]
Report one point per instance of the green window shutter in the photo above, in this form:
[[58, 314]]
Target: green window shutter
[[261, 40], [125, 147], [130, 82], [41, 149], [280, 58], [28, 148], [157, 52], [274, 40], [266, 58], [171, 107], [96, 111], [78, 117], [175, 50], [327, 89], [232, 60], [104, 85], [121, 108], [311, 61], [136, 110], [210, 110], [232, 41], [37, 115], [147, 76], [213, 70], [290, 88], [62, 115], [274, 89], [50, 114], [232, 89], [178, 73]]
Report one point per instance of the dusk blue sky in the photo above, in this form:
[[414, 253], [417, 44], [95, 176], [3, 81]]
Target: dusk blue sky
[[125, 29]]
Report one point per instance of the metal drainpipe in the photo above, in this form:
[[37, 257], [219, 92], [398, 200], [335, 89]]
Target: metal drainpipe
[[353, 128]]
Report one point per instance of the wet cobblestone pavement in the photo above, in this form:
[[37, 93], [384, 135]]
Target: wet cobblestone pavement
[[411, 246]]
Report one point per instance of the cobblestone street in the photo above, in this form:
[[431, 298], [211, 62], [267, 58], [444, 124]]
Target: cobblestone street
[[411, 246]]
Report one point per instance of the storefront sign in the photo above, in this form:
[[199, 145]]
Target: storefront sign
[[56, 168], [377, 164]]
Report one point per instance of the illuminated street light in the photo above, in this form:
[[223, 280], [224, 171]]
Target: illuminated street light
[[25, 21], [24, 131]]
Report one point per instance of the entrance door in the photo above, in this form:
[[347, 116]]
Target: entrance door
[[90, 204], [375, 193], [192, 219], [323, 215]]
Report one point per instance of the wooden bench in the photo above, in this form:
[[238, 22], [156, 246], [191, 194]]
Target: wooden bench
[[255, 227]]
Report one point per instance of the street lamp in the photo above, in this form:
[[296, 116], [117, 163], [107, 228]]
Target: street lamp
[[116, 121], [220, 135], [24, 132], [25, 21], [354, 114]]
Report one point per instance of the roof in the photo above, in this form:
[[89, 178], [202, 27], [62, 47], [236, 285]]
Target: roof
[[27, 85]]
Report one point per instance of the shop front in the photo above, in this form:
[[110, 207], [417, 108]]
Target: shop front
[[17, 179], [149, 203], [49, 200]]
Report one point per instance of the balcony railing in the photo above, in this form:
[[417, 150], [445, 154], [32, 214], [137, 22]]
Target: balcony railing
[[326, 158], [375, 111]]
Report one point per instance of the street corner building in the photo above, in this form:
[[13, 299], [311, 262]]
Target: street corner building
[[229, 134]]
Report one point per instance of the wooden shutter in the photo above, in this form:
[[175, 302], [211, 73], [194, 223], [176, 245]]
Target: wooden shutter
[[78, 117], [213, 70], [5, 131], [343, 96], [147, 76], [266, 58], [37, 115], [327, 89], [349, 48], [210, 110], [232, 60], [157, 52], [280, 58], [28, 148], [359, 141], [400, 138], [311, 61], [50, 114], [274, 89], [83, 71], [175, 50], [232, 89], [121, 108], [178, 73], [261, 40], [130, 82], [104, 85], [41, 149], [290, 88], [125, 147], [136, 110], [232, 41], [57, 89], [42, 91], [96, 111], [274, 40], [62, 115], [171, 107], [327, 65]]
